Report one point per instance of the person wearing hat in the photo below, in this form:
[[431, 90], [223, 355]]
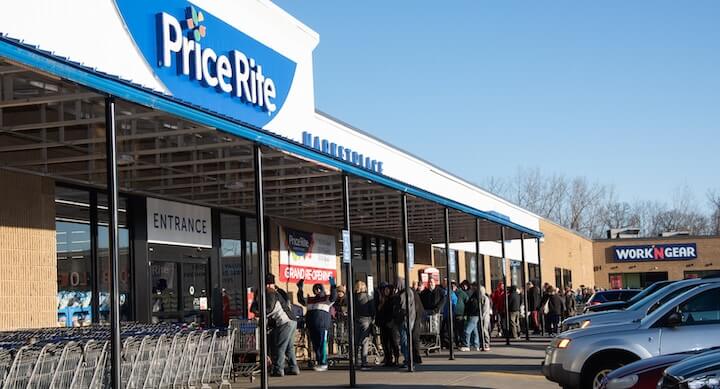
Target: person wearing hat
[[318, 319], [281, 324]]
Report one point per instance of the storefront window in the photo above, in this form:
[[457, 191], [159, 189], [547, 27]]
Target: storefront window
[[515, 273], [701, 273], [231, 263], [72, 225], [81, 224], [534, 273], [567, 278], [126, 310], [635, 280], [251, 259], [558, 277], [496, 272]]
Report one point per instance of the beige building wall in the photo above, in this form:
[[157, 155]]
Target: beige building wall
[[28, 260], [708, 251], [562, 248]]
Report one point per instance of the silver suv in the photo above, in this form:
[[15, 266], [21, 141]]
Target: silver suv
[[582, 358], [639, 308]]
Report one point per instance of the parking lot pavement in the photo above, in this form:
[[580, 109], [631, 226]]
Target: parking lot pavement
[[513, 367]]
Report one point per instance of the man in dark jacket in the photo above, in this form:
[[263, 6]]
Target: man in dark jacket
[[433, 298], [533, 295], [555, 308], [514, 303], [569, 303], [281, 323]]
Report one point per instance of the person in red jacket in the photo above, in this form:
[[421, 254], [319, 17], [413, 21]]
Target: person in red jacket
[[498, 302]]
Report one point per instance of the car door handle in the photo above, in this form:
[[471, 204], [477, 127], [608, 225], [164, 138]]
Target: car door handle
[[650, 339]]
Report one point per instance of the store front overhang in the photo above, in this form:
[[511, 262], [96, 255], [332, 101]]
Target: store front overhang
[[301, 183]]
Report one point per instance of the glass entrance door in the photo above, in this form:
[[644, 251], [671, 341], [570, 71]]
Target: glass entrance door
[[180, 291]]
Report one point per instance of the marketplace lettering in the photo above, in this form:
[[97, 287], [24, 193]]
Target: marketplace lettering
[[656, 252], [342, 152], [234, 73]]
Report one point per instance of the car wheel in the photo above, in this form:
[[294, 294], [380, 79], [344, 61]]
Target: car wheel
[[593, 377]]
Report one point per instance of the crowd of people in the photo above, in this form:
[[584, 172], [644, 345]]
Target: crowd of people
[[476, 315]]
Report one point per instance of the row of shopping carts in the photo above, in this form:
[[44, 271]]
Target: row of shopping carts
[[153, 356]]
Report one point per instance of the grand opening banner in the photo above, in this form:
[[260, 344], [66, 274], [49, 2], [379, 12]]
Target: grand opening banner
[[307, 256]]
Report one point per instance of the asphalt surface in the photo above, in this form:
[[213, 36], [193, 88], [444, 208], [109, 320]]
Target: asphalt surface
[[507, 367]]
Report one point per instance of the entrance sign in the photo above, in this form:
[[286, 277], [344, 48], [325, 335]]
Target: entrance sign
[[307, 256], [658, 252], [204, 61], [178, 224]]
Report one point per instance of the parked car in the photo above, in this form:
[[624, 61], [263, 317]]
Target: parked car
[[607, 296], [638, 310], [616, 305], [582, 358], [645, 373], [699, 372]]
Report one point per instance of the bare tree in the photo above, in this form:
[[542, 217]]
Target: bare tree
[[714, 199], [592, 208]]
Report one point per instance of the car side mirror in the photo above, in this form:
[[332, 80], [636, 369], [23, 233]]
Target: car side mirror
[[673, 320]]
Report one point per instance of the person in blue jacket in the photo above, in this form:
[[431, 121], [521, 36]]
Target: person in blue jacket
[[318, 319]]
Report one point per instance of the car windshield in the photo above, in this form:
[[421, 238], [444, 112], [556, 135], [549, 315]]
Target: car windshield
[[639, 304], [647, 291]]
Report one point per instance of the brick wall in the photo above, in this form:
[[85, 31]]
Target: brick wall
[[28, 261]]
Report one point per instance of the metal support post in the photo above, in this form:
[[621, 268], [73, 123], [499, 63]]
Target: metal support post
[[524, 283], [542, 291], [260, 219], [408, 293], [350, 280], [507, 287], [112, 194], [477, 278], [451, 314]]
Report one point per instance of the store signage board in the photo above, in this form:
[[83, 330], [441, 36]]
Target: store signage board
[[308, 256], [342, 152], [411, 255], [347, 244], [657, 252], [178, 224], [204, 61], [453, 267]]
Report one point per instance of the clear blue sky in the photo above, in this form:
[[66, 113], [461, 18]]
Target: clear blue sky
[[624, 92]]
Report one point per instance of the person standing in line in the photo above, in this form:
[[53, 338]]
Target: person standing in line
[[282, 324], [472, 318], [514, 304], [533, 296], [555, 308], [569, 303], [433, 297], [318, 318], [498, 302], [459, 313], [485, 315], [404, 309], [384, 320], [365, 312]]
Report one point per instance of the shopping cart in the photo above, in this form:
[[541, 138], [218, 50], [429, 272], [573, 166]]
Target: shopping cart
[[246, 350], [429, 332], [339, 345]]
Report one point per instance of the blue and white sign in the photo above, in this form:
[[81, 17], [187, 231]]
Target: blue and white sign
[[411, 255], [347, 251], [658, 252], [204, 61]]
